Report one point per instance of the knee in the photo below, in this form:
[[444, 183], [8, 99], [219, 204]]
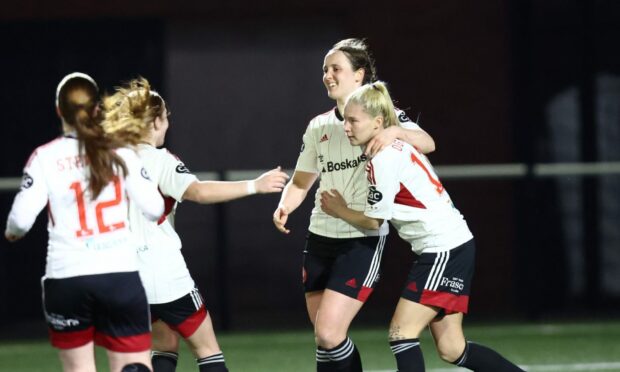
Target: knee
[[327, 337], [450, 351]]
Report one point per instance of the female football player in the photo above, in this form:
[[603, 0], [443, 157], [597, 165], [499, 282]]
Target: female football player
[[92, 293], [341, 261], [404, 189], [177, 308]]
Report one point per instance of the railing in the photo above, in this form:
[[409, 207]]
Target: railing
[[474, 171]]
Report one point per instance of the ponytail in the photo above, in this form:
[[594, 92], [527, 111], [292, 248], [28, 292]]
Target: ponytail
[[376, 101], [77, 102]]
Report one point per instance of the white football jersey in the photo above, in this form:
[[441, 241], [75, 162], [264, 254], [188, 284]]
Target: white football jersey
[[85, 236], [404, 189], [326, 150], [163, 269]]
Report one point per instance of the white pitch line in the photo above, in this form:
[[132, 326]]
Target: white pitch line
[[600, 366]]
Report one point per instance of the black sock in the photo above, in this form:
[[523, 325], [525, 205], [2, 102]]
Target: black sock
[[342, 358], [135, 367], [356, 360], [322, 360], [480, 358], [408, 355], [164, 361], [212, 363]]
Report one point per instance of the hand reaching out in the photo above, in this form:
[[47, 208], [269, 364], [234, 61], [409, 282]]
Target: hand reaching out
[[271, 181]]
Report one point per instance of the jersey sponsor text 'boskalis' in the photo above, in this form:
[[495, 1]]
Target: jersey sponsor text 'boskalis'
[[85, 236], [404, 189], [326, 150]]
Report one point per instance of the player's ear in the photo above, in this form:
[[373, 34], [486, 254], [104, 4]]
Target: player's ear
[[359, 75], [378, 122], [156, 124]]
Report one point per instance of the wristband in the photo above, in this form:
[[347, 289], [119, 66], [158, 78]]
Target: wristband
[[251, 187]]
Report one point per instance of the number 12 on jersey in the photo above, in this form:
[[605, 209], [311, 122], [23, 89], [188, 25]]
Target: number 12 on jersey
[[99, 207]]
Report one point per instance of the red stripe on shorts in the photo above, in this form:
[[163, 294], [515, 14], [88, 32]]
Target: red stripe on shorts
[[364, 293], [124, 344], [191, 324], [448, 301], [70, 340]]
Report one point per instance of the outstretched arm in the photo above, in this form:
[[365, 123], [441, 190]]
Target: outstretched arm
[[208, 192], [294, 193], [334, 204], [417, 138]]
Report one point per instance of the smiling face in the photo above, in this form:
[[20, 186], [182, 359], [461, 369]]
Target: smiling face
[[339, 77], [359, 126]]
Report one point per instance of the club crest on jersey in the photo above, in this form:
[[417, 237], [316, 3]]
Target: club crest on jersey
[[144, 174], [27, 181], [403, 118], [181, 168], [374, 195]]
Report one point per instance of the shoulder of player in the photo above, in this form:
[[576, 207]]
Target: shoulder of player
[[126, 151], [46, 148], [150, 154], [328, 117], [51, 145], [391, 152], [166, 160], [148, 151], [402, 117], [167, 153]]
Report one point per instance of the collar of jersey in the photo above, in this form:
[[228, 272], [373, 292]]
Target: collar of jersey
[[338, 114]]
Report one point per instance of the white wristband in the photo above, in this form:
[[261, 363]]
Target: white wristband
[[251, 187]]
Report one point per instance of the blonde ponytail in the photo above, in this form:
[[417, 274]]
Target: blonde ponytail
[[375, 100]]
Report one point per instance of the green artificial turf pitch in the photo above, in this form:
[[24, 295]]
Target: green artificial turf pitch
[[537, 347]]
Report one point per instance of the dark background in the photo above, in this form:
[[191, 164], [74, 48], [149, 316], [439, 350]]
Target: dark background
[[515, 81]]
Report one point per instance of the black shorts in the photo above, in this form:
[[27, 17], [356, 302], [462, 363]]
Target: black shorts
[[443, 279], [183, 315], [110, 309], [347, 266]]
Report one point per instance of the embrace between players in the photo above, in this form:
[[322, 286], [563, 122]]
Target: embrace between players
[[98, 291]]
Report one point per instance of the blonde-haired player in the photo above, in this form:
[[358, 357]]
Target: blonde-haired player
[[177, 308], [404, 189]]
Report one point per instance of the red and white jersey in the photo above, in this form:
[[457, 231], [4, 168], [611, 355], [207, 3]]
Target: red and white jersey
[[404, 189], [326, 150], [163, 269], [85, 236]]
